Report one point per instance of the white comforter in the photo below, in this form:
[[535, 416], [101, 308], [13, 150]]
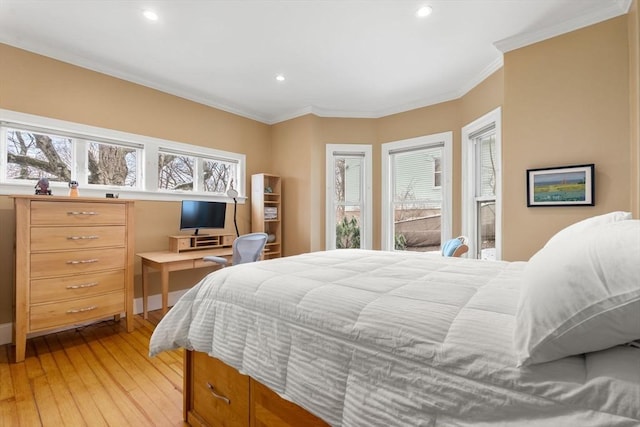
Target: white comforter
[[369, 338]]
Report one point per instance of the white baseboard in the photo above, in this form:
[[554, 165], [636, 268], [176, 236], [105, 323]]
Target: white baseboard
[[154, 302]]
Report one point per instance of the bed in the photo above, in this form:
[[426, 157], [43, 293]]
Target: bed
[[373, 338]]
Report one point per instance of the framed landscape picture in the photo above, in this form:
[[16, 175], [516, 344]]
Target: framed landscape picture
[[561, 186]]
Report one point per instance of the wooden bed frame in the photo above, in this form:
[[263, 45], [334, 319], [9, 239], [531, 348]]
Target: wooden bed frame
[[216, 394]]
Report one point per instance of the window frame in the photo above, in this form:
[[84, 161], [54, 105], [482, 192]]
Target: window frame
[[471, 177], [147, 161], [446, 163], [366, 230]]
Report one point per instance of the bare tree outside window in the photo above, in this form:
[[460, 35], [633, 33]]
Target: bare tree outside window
[[175, 172], [31, 156], [218, 175], [112, 165]]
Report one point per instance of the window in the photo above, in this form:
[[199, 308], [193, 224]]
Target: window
[[33, 155], [348, 196], [33, 147], [112, 164], [481, 204], [416, 198], [218, 175], [176, 172]]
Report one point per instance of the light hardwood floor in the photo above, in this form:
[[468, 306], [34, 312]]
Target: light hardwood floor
[[98, 375]]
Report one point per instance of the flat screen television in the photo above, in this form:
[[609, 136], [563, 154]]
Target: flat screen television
[[197, 214]]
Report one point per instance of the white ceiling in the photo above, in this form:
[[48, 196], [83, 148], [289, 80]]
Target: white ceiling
[[342, 58]]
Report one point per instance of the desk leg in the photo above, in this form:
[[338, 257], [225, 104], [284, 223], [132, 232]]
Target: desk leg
[[145, 289], [165, 288]]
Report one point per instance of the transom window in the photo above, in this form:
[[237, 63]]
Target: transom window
[[112, 164], [33, 147]]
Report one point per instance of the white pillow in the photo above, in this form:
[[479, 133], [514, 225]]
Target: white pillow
[[574, 230], [580, 295]]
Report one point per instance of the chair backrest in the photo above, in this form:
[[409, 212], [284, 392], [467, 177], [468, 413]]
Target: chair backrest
[[455, 247], [248, 247]]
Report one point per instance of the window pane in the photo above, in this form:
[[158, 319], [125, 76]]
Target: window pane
[[175, 172], [437, 172], [487, 144], [417, 199], [348, 179], [348, 227], [353, 180], [219, 176], [487, 230], [417, 227], [348, 197], [112, 165], [32, 156]]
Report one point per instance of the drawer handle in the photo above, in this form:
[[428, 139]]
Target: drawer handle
[[82, 310], [82, 213], [84, 285], [83, 261], [83, 237], [212, 389]]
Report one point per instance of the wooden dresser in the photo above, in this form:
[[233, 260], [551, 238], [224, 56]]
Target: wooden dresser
[[74, 263]]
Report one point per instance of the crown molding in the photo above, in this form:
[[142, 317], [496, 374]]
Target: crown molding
[[611, 10], [488, 70], [422, 103], [292, 115]]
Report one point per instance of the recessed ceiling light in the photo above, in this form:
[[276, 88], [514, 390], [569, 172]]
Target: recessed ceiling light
[[280, 78], [150, 15], [424, 11]]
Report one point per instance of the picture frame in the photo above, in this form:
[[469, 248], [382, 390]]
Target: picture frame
[[561, 186]]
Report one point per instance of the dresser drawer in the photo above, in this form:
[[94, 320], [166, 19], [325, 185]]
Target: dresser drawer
[[51, 264], [77, 286], [77, 213], [52, 315], [212, 376], [56, 238]]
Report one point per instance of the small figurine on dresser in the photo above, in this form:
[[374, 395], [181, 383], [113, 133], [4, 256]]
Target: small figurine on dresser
[[73, 188], [42, 187]]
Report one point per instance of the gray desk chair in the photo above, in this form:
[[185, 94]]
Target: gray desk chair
[[246, 248]]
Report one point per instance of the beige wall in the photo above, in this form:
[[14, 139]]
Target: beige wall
[[566, 101], [38, 85], [291, 152]]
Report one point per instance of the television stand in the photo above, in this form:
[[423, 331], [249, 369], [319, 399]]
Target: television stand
[[192, 242]]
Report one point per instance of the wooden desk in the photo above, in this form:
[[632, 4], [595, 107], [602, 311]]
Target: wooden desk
[[166, 261]]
